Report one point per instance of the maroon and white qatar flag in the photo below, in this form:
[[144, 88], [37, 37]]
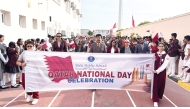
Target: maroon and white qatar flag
[[156, 37], [114, 26], [133, 21], [47, 71]]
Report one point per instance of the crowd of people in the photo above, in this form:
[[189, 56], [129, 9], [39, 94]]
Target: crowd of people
[[12, 58]]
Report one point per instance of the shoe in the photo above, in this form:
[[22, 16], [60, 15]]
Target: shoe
[[155, 104], [28, 99], [35, 101], [185, 81], [171, 75], [15, 86], [4, 87], [179, 76], [182, 78]]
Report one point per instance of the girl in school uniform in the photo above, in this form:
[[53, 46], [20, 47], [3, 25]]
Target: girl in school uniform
[[21, 62], [3, 61], [161, 63], [11, 67], [20, 44]]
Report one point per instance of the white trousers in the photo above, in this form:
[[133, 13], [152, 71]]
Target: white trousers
[[172, 67], [186, 76], [13, 78], [4, 79], [180, 66]]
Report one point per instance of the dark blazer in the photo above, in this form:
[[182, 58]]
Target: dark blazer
[[139, 49], [21, 49], [133, 48], [3, 48], [123, 49], [63, 46], [109, 50], [95, 49], [173, 48], [13, 57]]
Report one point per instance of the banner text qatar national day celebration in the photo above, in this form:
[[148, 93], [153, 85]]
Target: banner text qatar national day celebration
[[47, 71]]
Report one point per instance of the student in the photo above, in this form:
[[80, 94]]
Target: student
[[21, 62], [3, 61], [161, 63], [11, 67]]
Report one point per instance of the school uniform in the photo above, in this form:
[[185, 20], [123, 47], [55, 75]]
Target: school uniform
[[186, 66], [161, 63], [173, 53], [11, 66], [180, 65], [3, 59], [21, 49]]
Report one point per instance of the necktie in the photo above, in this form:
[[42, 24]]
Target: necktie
[[98, 44]]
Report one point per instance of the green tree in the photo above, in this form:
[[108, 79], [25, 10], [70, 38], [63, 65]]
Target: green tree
[[90, 33], [119, 30], [118, 33], [143, 23]]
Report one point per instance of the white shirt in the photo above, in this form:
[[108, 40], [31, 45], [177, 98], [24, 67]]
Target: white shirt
[[112, 50], [186, 52], [165, 64], [22, 59], [2, 57]]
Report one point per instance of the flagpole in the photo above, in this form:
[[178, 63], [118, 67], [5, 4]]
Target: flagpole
[[132, 21]]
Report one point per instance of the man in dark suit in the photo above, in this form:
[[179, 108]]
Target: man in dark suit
[[127, 48], [98, 47], [142, 47]]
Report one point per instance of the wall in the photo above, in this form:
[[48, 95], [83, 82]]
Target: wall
[[40, 10], [178, 24], [63, 20], [14, 31]]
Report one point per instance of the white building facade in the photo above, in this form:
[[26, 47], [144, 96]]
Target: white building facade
[[103, 32], [28, 19]]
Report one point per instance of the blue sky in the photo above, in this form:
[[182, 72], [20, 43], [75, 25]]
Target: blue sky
[[102, 14]]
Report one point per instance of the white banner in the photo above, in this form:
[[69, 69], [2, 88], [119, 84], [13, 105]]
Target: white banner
[[47, 71]]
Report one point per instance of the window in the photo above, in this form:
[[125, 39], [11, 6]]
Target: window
[[74, 13], [50, 18], [35, 26], [72, 34], [55, 31], [79, 17], [68, 6], [22, 21], [5, 18], [43, 25], [63, 32]]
